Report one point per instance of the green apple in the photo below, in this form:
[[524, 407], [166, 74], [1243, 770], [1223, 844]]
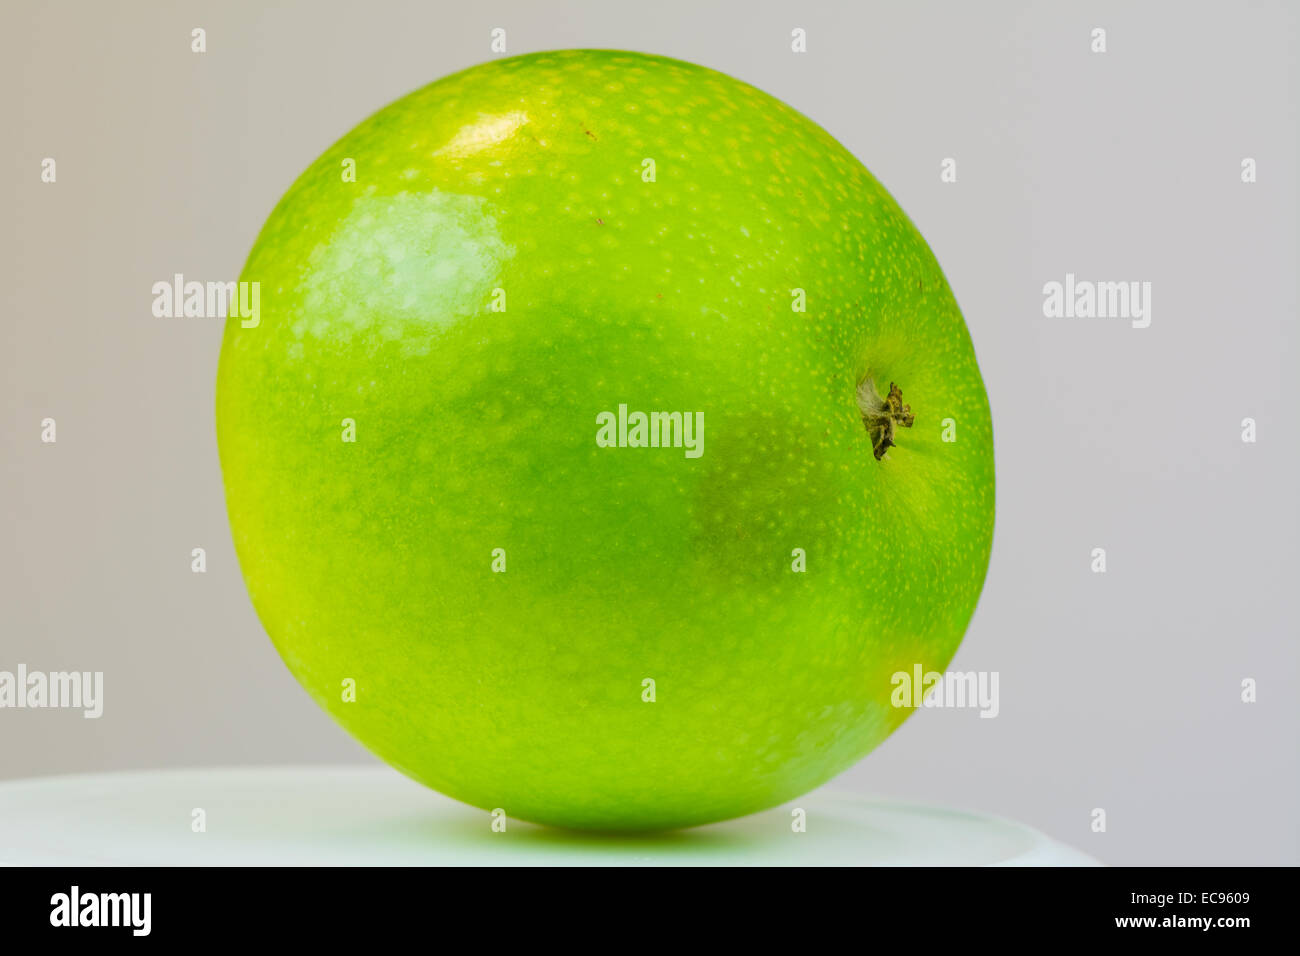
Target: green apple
[[436, 440]]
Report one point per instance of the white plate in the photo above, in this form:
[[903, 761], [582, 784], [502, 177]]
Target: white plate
[[373, 816]]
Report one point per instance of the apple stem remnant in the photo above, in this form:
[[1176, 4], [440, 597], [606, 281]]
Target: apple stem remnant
[[881, 416]]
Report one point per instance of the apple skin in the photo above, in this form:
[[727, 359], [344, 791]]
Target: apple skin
[[371, 561]]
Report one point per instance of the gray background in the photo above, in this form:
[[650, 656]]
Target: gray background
[[1118, 691]]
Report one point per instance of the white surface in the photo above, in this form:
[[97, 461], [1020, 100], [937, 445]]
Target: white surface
[[374, 816]]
